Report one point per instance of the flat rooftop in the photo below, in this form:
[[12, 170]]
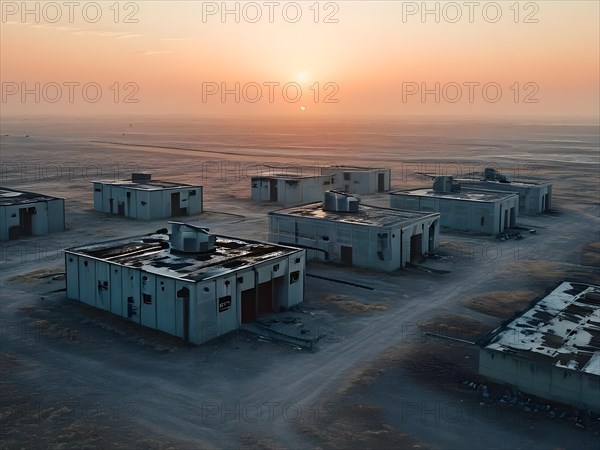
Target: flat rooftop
[[152, 254], [561, 329], [366, 215], [153, 185], [475, 195], [354, 168], [11, 197], [522, 183], [287, 176]]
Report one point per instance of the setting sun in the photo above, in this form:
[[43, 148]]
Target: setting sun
[[302, 77]]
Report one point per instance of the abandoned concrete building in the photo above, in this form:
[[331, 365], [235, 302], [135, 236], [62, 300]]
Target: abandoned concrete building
[[29, 214], [338, 229], [359, 180], [145, 199], [534, 197], [483, 211], [190, 284], [290, 189], [551, 349]]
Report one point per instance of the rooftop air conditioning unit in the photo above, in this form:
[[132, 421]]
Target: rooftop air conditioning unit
[[338, 201], [187, 238]]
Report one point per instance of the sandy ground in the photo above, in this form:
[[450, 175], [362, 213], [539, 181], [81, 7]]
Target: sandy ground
[[73, 377]]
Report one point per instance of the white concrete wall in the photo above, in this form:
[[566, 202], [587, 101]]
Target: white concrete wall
[[143, 204], [260, 189], [98, 197], [56, 215], [373, 247], [10, 218], [462, 215], [360, 181], [49, 217], [154, 302], [542, 380], [292, 191], [530, 196]]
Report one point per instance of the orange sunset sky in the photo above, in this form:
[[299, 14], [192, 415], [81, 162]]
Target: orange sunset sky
[[373, 55]]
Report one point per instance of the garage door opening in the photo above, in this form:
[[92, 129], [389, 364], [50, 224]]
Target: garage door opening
[[248, 305], [25, 226], [184, 294], [380, 182], [265, 298], [416, 248], [346, 255], [273, 190], [431, 243]]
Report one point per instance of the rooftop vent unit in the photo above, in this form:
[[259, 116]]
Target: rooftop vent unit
[[141, 176], [339, 201], [490, 174], [186, 238], [445, 184]]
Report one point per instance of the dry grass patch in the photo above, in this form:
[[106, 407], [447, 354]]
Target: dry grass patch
[[358, 426], [502, 304], [544, 273], [250, 442], [440, 363], [590, 254], [351, 305], [457, 326], [9, 363], [448, 248], [35, 276]]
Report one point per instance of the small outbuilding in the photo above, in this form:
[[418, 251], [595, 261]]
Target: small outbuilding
[[29, 214], [190, 284], [359, 180], [146, 199], [289, 189], [339, 229], [534, 197], [551, 349], [462, 209]]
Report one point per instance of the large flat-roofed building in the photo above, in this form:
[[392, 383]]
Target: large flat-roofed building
[[289, 188], [552, 349], [190, 284], [340, 230], [146, 199], [488, 212], [359, 180], [29, 214], [534, 196]]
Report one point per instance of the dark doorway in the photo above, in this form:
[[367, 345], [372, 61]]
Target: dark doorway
[[543, 203], [506, 223], [110, 205], [175, 199], [121, 209], [431, 246], [25, 221], [380, 182], [184, 293], [346, 253], [248, 305], [278, 290], [265, 298], [416, 245], [273, 190], [513, 219]]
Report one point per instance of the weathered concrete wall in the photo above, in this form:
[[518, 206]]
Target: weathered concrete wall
[[542, 380], [379, 248], [462, 215]]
